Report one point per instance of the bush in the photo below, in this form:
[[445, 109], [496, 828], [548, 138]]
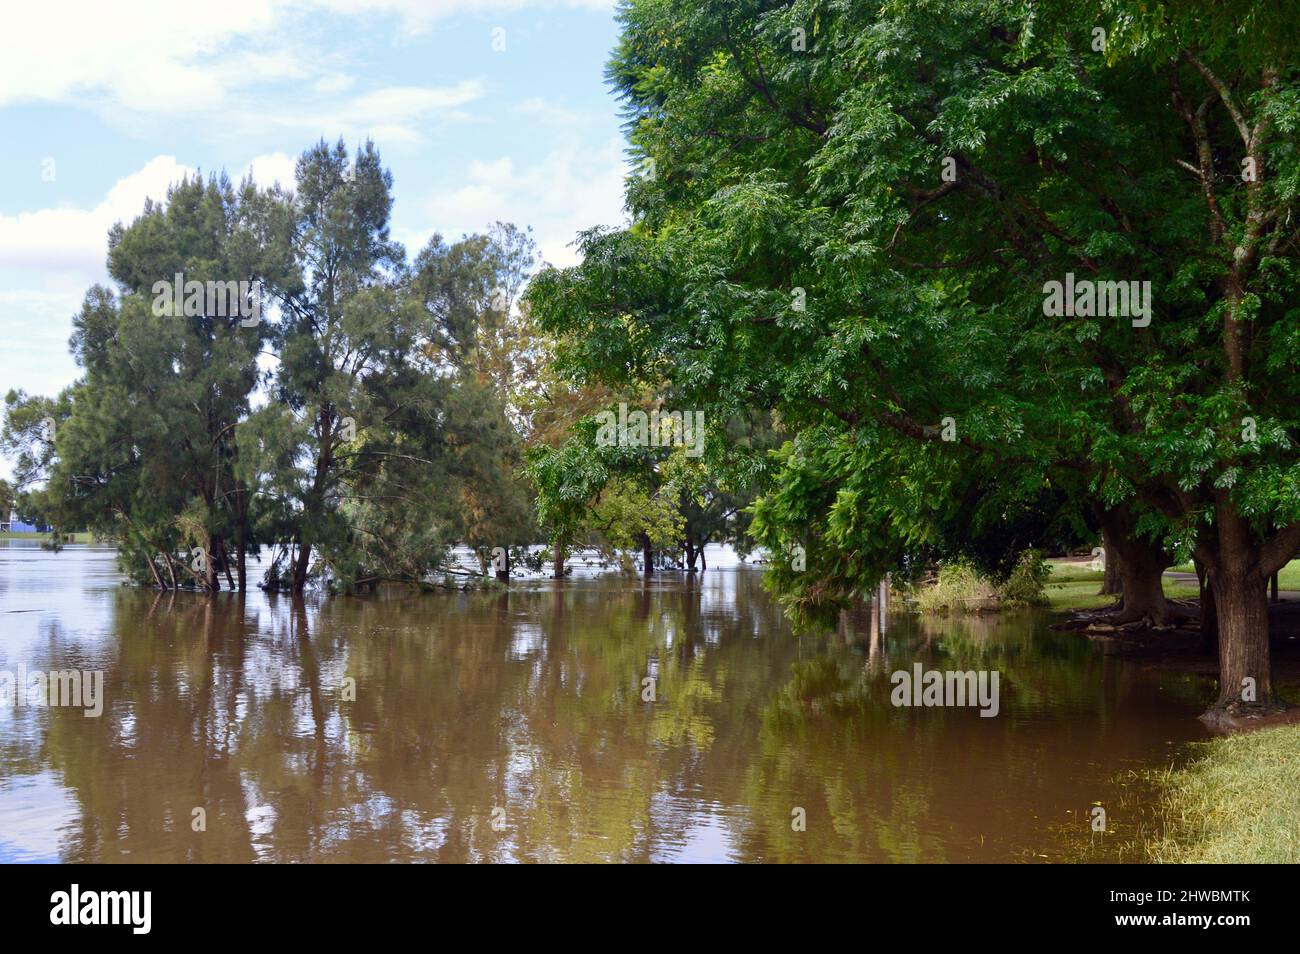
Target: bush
[[1028, 580], [959, 589]]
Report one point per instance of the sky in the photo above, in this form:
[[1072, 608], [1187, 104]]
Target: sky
[[482, 109]]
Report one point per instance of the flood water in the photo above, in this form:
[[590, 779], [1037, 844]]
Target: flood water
[[511, 726]]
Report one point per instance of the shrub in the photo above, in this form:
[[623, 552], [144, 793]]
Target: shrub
[[959, 588], [1027, 582]]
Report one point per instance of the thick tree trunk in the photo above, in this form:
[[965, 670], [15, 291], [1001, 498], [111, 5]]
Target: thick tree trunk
[[647, 555], [1241, 602], [1273, 596], [558, 559], [1111, 585], [503, 573], [1233, 557], [691, 554], [1141, 569]]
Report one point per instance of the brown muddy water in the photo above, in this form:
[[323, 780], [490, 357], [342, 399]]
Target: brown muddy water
[[511, 726]]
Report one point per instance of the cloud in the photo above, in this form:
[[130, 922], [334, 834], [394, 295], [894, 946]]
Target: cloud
[[73, 240], [34, 339], [55, 246], [565, 192], [273, 167], [164, 57], [548, 112], [158, 55]]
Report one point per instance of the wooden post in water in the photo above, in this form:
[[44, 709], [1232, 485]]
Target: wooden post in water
[[882, 602]]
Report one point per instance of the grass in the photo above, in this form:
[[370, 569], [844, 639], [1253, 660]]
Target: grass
[[1074, 586], [958, 589], [1288, 578], [1236, 804]]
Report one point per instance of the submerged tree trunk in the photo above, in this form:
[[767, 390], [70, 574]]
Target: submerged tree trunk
[[558, 559], [212, 565], [302, 563], [691, 555], [647, 554], [503, 572]]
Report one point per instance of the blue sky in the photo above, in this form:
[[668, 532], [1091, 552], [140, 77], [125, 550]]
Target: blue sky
[[102, 104]]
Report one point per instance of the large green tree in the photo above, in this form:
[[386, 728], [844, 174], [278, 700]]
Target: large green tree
[[850, 213]]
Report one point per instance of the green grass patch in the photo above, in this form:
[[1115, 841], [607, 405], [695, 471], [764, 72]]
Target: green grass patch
[[1237, 804], [72, 537], [1074, 586], [1288, 578]]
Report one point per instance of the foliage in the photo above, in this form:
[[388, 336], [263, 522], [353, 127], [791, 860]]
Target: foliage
[[958, 588]]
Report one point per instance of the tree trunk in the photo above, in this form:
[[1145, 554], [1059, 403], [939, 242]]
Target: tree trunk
[[212, 569], [1273, 596], [503, 573], [558, 559], [1209, 611], [241, 556], [1141, 569], [1242, 609], [1111, 584], [691, 554], [647, 554], [300, 567], [225, 565]]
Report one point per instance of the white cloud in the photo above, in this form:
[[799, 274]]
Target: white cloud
[[272, 168], [65, 247], [160, 56], [334, 83], [567, 191], [73, 240], [548, 112], [154, 55]]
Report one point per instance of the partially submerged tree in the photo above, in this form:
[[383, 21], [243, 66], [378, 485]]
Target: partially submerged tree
[[869, 218]]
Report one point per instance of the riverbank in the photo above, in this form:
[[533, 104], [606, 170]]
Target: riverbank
[[1238, 800], [1236, 804]]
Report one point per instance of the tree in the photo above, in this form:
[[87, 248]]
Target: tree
[[859, 232], [145, 445], [338, 314]]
